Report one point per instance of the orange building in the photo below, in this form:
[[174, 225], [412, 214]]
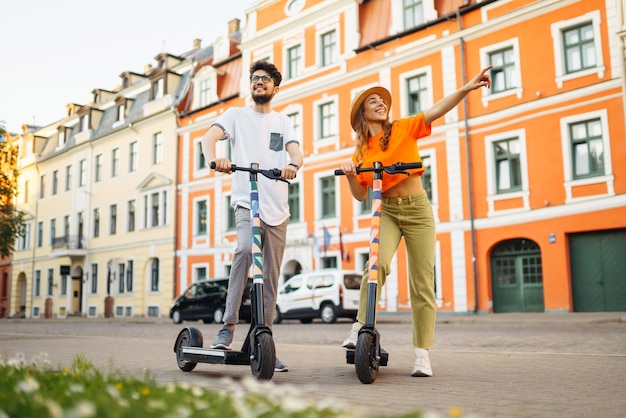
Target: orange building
[[527, 179]]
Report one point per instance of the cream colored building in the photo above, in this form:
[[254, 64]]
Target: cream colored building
[[98, 187]]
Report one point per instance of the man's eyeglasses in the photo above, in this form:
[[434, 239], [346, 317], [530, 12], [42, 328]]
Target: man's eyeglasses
[[264, 78]]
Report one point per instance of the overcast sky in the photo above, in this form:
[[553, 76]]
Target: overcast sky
[[55, 52]]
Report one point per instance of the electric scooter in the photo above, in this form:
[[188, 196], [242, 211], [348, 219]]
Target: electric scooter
[[368, 355], [258, 348]]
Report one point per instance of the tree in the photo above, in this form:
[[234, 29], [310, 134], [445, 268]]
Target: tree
[[11, 220]]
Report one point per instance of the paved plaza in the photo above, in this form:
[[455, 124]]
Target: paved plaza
[[499, 365]]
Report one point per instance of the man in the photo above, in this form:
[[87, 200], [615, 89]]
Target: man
[[257, 135]]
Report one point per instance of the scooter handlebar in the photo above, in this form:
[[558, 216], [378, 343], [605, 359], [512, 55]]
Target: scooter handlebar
[[397, 168], [272, 173]]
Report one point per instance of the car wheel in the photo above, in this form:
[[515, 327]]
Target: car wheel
[[278, 317], [218, 315], [176, 317], [328, 314]]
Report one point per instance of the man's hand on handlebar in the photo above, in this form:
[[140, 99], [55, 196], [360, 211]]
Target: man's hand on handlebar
[[222, 165], [289, 172]]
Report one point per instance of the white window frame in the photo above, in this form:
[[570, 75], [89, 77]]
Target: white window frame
[[432, 155], [297, 40], [209, 75], [492, 191], [196, 216], [397, 16], [295, 109], [404, 92], [487, 96], [194, 271], [332, 140], [568, 176], [322, 29], [133, 156], [328, 222], [146, 199], [557, 30]]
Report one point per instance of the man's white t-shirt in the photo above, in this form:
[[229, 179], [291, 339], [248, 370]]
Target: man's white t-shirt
[[259, 138]]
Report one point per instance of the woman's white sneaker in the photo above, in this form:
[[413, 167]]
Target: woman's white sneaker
[[350, 342], [421, 367]]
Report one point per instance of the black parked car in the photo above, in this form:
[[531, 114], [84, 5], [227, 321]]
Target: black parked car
[[206, 300]]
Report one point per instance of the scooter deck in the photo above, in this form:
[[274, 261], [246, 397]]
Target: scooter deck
[[384, 356], [215, 356]]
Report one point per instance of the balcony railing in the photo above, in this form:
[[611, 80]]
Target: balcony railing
[[71, 242]]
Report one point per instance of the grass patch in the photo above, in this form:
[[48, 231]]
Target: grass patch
[[35, 389]]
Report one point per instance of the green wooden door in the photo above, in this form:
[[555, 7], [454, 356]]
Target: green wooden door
[[517, 279], [598, 268]]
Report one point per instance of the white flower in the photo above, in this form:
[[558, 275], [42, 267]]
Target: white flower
[[28, 385]]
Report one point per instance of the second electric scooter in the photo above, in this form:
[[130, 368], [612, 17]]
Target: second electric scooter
[[368, 356], [258, 349]]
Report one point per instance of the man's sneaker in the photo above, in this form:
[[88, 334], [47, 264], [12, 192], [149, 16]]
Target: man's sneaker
[[421, 367], [280, 367], [350, 342], [223, 339]]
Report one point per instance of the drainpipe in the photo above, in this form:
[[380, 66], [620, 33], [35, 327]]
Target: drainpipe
[[32, 270], [468, 161]]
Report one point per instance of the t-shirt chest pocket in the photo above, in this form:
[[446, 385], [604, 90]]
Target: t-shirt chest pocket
[[276, 141]]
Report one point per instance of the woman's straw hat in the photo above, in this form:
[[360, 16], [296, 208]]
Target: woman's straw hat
[[359, 98]]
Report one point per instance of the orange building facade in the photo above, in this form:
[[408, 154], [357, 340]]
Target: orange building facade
[[527, 180]]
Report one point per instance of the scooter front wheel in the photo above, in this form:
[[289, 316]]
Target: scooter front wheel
[[185, 339], [366, 360], [263, 357]]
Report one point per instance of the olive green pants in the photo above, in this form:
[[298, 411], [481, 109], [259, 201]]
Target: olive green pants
[[410, 217]]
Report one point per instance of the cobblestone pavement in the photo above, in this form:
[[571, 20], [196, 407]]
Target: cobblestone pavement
[[499, 365]]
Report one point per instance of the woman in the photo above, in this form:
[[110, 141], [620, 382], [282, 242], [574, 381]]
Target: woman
[[406, 211]]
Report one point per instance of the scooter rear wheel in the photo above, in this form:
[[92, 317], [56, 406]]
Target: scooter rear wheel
[[366, 361], [263, 359]]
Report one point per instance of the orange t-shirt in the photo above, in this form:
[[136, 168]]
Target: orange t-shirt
[[402, 148]]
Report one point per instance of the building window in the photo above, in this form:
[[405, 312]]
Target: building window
[[130, 275], [23, 241], [82, 174], [131, 216], [329, 51], [96, 223], [508, 170], [50, 287], [294, 61], [115, 162], [293, 200], [55, 182], [112, 219], [200, 160], [503, 71], [157, 89], [366, 204], [121, 111], [98, 169], [84, 123], [417, 94], [40, 234], [132, 157], [579, 48], [157, 148], [155, 209], [413, 13], [296, 122], [201, 217], [154, 275], [121, 277], [205, 92], [68, 178], [94, 278], [587, 148], [42, 186], [577, 45], [37, 285], [327, 188], [66, 229], [61, 137], [427, 177], [26, 190], [327, 120], [53, 230], [200, 273]]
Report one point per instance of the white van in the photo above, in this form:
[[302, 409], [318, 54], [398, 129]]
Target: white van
[[326, 294]]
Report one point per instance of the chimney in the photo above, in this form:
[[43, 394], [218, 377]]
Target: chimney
[[147, 68], [197, 43], [233, 26]]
